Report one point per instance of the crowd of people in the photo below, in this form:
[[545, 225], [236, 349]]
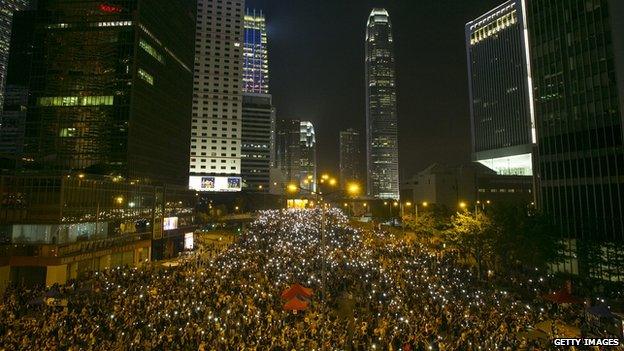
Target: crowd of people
[[372, 290]]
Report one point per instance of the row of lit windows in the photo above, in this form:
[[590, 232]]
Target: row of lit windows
[[494, 27], [146, 76], [151, 51], [75, 101]]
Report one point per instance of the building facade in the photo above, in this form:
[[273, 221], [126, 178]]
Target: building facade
[[382, 152], [258, 141], [110, 87], [217, 96], [255, 55], [53, 227], [500, 87], [472, 184], [578, 75], [307, 167], [7, 8], [350, 157]]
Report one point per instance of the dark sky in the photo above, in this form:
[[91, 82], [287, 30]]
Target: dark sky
[[316, 62]]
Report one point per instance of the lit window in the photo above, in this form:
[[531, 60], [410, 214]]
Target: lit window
[[146, 77], [151, 51]]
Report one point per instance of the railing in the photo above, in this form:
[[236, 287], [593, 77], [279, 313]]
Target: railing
[[50, 250]]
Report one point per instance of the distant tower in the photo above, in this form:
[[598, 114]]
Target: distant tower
[[307, 175], [7, 7], [382, 152], [255, 55], [350, 156]]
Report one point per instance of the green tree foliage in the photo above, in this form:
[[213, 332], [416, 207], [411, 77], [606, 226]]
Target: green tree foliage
[[506, 239], [473, 235]]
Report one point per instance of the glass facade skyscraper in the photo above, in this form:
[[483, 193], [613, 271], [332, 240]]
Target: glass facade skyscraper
[[500, 86], [577, 50], [110, 87], [7, 8], [382, 151], [255, 54]]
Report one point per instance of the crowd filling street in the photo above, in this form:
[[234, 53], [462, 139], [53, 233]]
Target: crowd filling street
[[371, 290]]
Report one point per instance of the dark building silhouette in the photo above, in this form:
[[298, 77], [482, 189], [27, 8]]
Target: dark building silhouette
[[350, 157]]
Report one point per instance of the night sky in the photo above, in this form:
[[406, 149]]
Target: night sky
[[316, 63]]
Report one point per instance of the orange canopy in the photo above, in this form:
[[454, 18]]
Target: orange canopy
[[296, 290], [295, 304]]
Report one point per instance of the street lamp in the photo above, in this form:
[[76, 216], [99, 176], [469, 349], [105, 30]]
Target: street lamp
[[292, 188], [119, 200], [463, 205], [354, 189]]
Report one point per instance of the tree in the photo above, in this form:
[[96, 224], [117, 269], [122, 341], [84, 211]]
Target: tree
[[474, 236], [424, 225], [524, 238]]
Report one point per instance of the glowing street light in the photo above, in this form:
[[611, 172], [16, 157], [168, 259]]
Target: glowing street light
[[292, 188], [354, 189], [463, 205]]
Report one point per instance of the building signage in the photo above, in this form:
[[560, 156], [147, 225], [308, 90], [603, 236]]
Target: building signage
[[215, 183]]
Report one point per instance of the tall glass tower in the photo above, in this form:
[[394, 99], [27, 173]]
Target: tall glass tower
[[382, 151], [255, 54], [577, 54], [500, 85]]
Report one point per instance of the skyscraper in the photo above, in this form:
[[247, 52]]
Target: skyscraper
[[350, 156], [501, 103], [382, 152], [288, 150], [7, 8], [217, 101], [255, 55], [257, 140], [307, 170], [109, 93], [577, 56]]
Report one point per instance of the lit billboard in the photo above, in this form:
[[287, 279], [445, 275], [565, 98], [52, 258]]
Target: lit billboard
[[214, 183], [170, 223], [188, 241]]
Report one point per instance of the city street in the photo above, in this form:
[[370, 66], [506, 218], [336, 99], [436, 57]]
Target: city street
[[370, 289]]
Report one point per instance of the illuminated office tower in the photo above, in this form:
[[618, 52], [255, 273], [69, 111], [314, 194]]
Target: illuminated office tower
[[255, 54], [217, 100], [307, 170], [577, 55], [501, 104], [7, 8], [110, 87], [382, 152]]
